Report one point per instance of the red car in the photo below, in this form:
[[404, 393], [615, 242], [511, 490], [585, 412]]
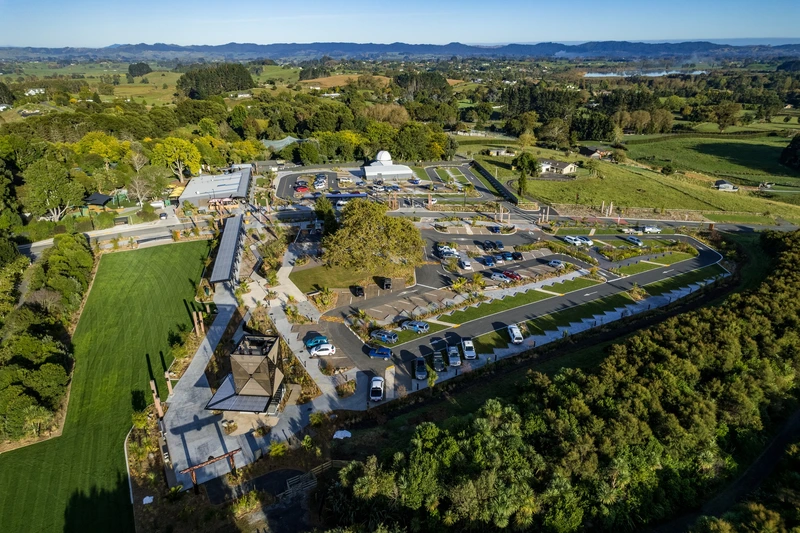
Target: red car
[[512, 275], [301, 189]]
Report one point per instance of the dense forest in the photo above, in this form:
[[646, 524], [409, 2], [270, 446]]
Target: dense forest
[[201, 83], [35, 357], [665, 419], [774, 507]]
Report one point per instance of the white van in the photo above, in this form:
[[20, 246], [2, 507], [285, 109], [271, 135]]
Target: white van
[[515, 334]]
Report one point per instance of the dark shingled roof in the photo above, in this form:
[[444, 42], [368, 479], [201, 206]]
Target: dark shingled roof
[[97, 199]]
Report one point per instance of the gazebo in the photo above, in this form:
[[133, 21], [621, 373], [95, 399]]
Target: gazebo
[[97, 199]]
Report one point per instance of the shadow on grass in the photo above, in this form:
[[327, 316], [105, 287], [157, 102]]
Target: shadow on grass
[[755, 156], [100, 509]]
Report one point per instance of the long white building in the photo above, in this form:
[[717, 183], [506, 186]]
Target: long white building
[[384, 169]]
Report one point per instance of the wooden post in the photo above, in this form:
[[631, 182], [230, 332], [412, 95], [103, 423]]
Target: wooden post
[[156, 399], [169, 382], [194, 319]]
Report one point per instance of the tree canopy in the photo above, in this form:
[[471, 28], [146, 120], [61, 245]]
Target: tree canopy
[[369, 240], [663, 420], [178, 155], [139, 69], [49, 190], [201, 83]]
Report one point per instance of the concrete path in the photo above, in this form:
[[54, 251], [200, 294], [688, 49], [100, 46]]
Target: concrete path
[[194, 434]]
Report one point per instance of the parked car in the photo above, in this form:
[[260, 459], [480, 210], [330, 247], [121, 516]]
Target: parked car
[[571, 239], [394, 188], [414, 181], [497, 276], [636, 241], [357, 290], [488, 261], [516, 256], [320, 184], [512, 275], [341, 203], [433, 201], [298, 183], [499, 259], [652, 229], [556, 263], [316, 341], [162, 216], [508, 256], [468, 347], [416, 326], [389, 337], [453, 357], [323, 350], [378, 188], [420, 368], [585, 240], [345, 179], [438, 362], [488, 246], [301, 189], [494, 229], [464, 264], [386, 283], [322, 176], [376, 389], [380, 353], [499, 245], [515, 334]]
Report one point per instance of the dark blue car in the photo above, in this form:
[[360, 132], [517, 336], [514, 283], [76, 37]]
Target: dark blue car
[[380, 353], [488, 261]]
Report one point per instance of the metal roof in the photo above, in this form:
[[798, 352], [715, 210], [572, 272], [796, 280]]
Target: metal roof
[[228, 248], [226, 399], [231, 185]]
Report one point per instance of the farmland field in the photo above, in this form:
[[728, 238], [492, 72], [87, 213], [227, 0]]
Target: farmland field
[[751, 160], [340, 80], [77, 482]]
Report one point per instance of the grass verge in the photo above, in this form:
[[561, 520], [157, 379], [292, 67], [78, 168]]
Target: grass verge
[[637, 268], [495, 306], [683, 280], [78, 482], [553, 321]]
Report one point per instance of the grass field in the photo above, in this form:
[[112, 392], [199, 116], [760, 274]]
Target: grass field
[[637, 268], [153, 92], [316, 278], [572, 285], [495, 306], [752, 160], [77, 482]]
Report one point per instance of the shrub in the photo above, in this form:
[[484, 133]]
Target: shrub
[[104, 220], [147, 213], [278, 449]]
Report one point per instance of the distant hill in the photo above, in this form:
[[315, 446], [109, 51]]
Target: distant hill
[[241, 51]]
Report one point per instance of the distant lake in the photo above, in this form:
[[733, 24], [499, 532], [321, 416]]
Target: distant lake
[[626, 74]]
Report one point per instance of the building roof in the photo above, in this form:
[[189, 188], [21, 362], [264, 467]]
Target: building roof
[[231, 185], [97, 199], [554, 163], [279, 145], [722, 182], [228, 248], [383, 158], [254, 379], [373, 170]]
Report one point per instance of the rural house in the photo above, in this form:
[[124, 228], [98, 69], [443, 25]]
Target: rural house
[[551, 166]]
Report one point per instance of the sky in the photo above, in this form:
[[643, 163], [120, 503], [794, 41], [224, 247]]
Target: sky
[[98, 23]]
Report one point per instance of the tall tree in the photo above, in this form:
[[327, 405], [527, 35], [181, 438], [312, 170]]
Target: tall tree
[[522, 184], [726, 113], [49, 189], [178, 155], [109, 148], [527, 163]]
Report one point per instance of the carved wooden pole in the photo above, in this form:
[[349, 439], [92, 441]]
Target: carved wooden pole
[[156, 399], [169, 382]]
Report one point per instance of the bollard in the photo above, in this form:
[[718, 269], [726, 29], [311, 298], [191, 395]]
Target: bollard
[[304, 364]]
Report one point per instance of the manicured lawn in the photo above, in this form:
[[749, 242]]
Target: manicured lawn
[[573, 231], [741, 219], [316, 278], [77, 482], [637, 268], [675, 257], [572, 285], [683, 280], [753, 159], [496, 306], [488, 342], [551, 322]]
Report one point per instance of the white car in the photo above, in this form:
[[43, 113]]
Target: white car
[[320, 185], [555, 263], [571, 239], [323, 350], [341, 203], [652, 229], [433, 201], [345, 179], [497, 276], [464, 264], [515, 334], [378, 188], [469, 348], [636, 241], [586, 240], [376, 389]]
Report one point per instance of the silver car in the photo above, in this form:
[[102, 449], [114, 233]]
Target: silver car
[[453, 357]]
